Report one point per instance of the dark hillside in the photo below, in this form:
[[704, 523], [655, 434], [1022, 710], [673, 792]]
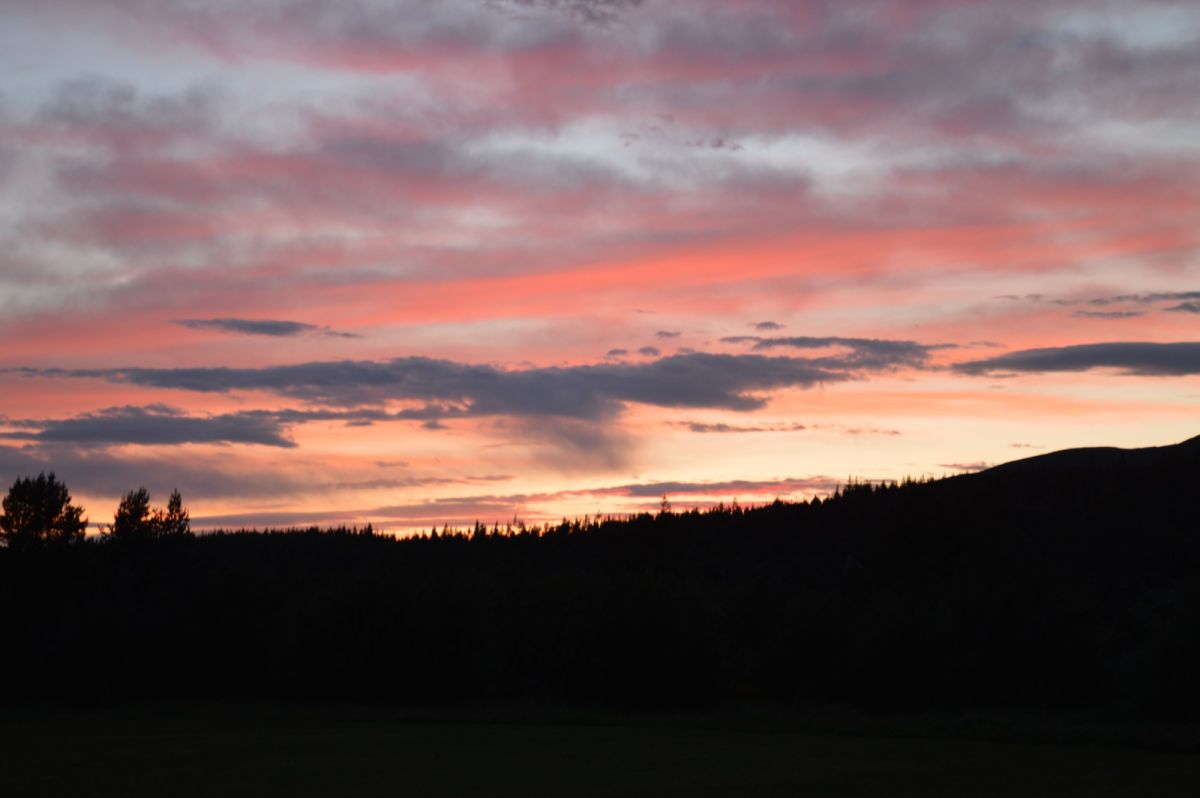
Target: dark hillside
[[1066, 580], [1100, 458]]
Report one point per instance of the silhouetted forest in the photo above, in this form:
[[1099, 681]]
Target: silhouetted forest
[[1067, 580]]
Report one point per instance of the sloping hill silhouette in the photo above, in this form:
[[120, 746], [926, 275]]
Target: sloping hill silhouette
[[1067, 579], [1088, 490], [1098, 458]]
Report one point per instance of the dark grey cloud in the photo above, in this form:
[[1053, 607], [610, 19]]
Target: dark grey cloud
[[865, 353], [159, 425], [1186, 300], [152, 425], [860, 431], [616, 353], [562, 412], [269, 327], [727, 429], [1135, 358], [394, 483], [281, 329], [769, 326], [650, 351], [967, 467], [1108, 314], [21, 461], [667, 334], [698, 380], [357, 417], [1143, 299]]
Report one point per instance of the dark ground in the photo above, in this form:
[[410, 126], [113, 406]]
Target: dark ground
[[241, 750]]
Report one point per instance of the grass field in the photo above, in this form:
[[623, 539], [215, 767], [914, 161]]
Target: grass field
[[296, 752]]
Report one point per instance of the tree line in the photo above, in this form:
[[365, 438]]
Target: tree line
[[1075, 587], [38, 513]]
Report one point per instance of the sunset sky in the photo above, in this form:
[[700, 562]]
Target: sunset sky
[[433, 261]]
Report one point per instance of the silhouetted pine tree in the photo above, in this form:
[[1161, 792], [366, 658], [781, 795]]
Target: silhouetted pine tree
[[132, 520], [38, 512], [175, 522]]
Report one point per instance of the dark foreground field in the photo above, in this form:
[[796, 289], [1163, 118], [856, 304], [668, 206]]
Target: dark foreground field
[[256, 751]]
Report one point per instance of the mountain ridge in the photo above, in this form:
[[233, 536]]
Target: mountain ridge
[[1101, 457]]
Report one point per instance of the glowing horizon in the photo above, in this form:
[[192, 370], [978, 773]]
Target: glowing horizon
[[415, 263]]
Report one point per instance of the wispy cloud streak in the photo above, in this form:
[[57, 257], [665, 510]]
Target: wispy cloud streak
[[1134, 358], [268, 327]]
